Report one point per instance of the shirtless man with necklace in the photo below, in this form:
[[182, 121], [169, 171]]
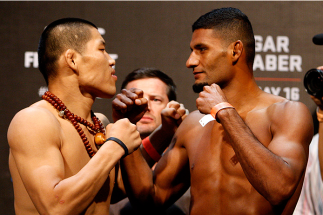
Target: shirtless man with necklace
[[57, 160]]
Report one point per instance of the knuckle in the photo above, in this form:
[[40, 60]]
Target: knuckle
[[124, 91], [124, 120], [118, 96]]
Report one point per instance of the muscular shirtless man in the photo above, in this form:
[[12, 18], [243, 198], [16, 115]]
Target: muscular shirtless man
[[54, 162], [252, 158]]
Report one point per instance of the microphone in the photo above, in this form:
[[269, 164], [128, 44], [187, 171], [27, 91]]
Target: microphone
[[318, 39]]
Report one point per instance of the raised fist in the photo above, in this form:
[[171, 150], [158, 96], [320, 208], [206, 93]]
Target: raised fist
[[125, 131], [129, 104]]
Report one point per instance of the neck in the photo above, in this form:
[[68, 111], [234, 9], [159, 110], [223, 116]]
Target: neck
[[242, 93], [74, 100]]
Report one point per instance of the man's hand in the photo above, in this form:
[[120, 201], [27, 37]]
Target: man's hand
[[209, 97], [129, 104], [172, 116], [126, 132]]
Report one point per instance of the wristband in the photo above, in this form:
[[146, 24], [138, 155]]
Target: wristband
[[121, 144], [218, 107], [151, 151], [319, 115]]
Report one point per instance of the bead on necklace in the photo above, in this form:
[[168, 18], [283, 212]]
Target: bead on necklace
[[96, 128]]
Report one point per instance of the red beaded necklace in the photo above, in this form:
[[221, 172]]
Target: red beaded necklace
[[96, 129]]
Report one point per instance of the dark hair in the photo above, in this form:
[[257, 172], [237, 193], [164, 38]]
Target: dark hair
[[231, 25], [59, 36], [144, 72]]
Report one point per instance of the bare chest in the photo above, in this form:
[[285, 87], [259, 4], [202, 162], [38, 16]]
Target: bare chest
[[216, 172], [75, 158], [211, 147], [74, 150]]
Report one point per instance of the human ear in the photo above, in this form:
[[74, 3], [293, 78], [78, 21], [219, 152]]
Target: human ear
[[70, 58], [237, 48]]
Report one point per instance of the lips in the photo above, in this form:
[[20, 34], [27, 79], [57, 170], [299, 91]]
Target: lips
[[197, 74], [146, 119], [113, 74]]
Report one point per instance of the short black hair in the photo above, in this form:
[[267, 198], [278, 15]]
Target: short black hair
[[231, 25], [59, 36], [146, 72]]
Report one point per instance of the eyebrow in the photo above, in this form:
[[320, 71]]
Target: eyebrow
[[157, 96], [199, 45], [102, 42]]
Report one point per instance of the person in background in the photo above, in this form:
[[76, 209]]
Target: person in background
[[311, 199], [159, 89], [243, 151]]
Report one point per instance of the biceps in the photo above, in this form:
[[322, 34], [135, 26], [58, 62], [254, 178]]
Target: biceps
[[291, 139], [39, 169], [292, 151], [172, 173]]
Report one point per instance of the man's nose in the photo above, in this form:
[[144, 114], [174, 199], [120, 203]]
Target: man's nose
[[149, 104], [192, 61], [112, 62]]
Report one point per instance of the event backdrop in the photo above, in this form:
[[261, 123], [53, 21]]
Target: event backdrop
[[152, 34]]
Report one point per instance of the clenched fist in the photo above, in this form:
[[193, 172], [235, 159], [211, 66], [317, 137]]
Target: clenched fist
[[209, 97], [125, 131], [129, 104]]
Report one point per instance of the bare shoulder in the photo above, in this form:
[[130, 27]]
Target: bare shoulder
[[31, 123], [289, 109], [33, 114], [189, 128], [276, 106], [192, 120], [290, 118]]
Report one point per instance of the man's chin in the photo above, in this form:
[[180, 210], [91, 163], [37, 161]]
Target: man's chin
[[198, 87], [145, 130], [145, 133]]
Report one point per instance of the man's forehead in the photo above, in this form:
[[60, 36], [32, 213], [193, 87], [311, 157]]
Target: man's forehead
[[149, 83], [204, 36], [205, 33], [96, 36]]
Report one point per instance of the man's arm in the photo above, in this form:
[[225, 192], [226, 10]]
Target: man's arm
[[131, 104], [158, 138], [275, 171], [172, 116], [35, 139], [170, 179], [145, 189]]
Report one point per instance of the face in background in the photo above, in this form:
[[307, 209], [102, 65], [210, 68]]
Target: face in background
[[156, 93], [96, 73]]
